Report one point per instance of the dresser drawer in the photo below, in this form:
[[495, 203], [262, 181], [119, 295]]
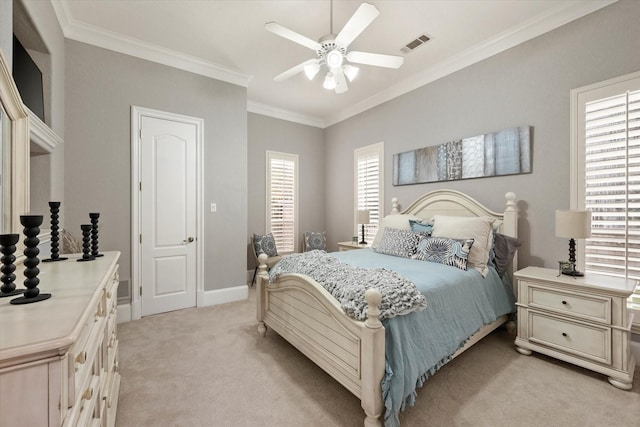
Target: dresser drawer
[[586, 341], [588, 307]]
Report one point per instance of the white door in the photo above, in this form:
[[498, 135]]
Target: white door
[[168, 215]]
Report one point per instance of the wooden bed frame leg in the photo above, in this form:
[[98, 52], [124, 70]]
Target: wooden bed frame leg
[[261, 287], [372, 361]]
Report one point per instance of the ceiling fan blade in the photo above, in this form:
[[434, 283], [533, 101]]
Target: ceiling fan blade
[[291, 35], [294, 70], [341, 82], [387, 61], [360, 20]]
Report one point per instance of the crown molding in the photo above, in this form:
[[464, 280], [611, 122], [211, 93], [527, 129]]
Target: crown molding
[[45, 139], [85, 33], [549, 20], [279, 113]]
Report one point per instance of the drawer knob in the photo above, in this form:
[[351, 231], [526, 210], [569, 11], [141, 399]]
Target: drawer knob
[[81, 357], [88, 394], [564, 303], [564, 334]]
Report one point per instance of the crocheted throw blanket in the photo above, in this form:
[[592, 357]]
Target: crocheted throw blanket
[[348, 284]]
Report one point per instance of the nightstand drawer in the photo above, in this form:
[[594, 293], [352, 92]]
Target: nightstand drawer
[[587, 341], [587, 307]]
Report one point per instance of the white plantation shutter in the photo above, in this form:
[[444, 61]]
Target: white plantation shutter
[[609, 140], [282, 177], [368, 172]]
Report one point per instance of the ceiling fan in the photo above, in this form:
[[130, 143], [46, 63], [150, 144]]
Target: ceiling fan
[[332, 51]]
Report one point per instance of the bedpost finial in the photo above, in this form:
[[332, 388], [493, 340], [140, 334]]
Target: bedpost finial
[[511, 201], [394, 205], [262, 266], [373, 297]]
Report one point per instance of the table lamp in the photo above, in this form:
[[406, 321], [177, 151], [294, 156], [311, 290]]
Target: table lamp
[[363, 218], [573, 225]]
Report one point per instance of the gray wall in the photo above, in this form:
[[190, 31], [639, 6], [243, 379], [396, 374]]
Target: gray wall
[[266, 133], [101, 87], [47, 171], [526, 85]]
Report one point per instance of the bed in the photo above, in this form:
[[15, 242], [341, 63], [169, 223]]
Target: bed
[[352, 351]]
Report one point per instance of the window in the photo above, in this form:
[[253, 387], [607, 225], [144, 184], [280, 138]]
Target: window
[[606, 175], [368, 173], [282, 200]]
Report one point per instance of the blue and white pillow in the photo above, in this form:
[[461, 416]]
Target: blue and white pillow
[[313, 240], [421, 227], [265, 244], [453, 252], [396, 242]]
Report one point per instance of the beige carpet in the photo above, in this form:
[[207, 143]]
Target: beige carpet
[[209, 367]]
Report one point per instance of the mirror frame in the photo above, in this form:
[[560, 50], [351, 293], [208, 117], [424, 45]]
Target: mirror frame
[[16, 179]]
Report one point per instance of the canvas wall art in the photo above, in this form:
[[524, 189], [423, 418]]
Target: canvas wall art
[[506, 152]]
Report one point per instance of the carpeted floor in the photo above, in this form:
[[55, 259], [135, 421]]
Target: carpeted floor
[[210, 367]]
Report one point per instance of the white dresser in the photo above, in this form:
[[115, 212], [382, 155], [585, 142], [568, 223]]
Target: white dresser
[[581, 320], [59, 357]]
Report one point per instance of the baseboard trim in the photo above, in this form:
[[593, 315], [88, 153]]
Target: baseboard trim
[[635, 349], [124, 313], [215, 297], [223, 296]]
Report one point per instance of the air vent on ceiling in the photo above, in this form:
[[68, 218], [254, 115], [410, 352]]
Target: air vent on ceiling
[[419, 41]]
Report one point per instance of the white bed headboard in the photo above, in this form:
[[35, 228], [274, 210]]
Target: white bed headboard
[[455, 203]]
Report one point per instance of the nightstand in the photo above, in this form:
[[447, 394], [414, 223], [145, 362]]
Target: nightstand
[[349, 246], [580, 320]]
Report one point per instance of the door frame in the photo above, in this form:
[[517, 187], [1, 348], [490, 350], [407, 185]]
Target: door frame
[[137, 113]]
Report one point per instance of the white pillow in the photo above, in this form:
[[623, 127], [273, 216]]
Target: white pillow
[[399, 221], [462, 227]]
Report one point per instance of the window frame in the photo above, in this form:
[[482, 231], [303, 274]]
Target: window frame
[[578, 98], [358, 153], [271, 155]]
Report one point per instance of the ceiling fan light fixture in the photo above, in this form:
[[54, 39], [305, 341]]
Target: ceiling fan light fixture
[[329, 81], [310, 70], [350, 71], [334, 59]]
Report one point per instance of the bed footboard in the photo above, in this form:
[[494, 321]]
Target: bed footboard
[[306, 315]]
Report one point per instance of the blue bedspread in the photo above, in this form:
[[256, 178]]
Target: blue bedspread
[[418, 344]]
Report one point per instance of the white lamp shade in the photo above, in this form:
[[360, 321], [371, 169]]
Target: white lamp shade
[[350, 71], [329, 81], [363, 217], [573, 224], [310, 70]]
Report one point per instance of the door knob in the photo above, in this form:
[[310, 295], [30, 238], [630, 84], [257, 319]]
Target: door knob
[[188, 240]]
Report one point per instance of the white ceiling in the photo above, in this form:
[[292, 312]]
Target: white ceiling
[[227, 40]]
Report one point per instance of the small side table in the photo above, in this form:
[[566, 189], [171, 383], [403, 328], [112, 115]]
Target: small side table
[[350, 246], [581, 320]]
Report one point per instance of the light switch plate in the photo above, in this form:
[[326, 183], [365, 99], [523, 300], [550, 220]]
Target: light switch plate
[[214, 208]]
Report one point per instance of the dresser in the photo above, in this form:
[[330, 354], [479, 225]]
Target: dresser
[[580, 320], [59, 357]]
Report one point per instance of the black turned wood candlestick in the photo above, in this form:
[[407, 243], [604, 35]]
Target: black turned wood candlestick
[[54, 207], [7, 248], [86, 238], [94, 234], [31, 224]]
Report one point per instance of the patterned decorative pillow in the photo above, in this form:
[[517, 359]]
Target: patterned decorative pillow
[[265, 244], [313, 240], [445, 251], [477, 228], [421, 227], [396, 242]]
